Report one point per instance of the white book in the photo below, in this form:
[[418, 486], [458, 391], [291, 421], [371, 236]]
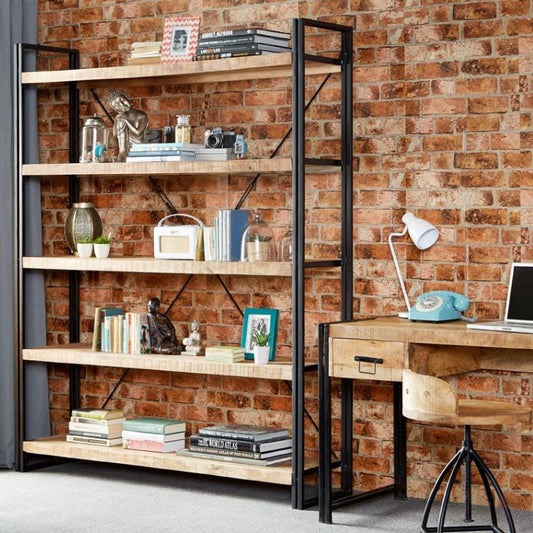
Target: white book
[[154, 437]]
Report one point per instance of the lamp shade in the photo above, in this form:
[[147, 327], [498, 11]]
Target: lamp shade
[[422, 233]]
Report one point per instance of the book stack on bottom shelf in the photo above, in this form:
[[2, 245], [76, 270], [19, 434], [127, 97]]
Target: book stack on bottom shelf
[[99, 427], [153, 434], [224, 354], [247, 444]]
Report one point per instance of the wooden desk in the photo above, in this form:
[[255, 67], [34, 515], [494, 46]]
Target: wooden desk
[[385, 346]]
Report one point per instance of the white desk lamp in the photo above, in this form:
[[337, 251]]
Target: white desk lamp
[[424, 235]]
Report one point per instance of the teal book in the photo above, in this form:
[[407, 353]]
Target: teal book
[[150, 424]]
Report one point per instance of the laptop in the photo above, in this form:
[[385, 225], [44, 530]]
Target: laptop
[[519, 307]]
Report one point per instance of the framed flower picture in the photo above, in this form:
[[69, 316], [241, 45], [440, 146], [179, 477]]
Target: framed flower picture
[[259, 321], [180, 39]]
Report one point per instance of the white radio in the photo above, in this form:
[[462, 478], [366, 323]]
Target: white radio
[[178, 242]]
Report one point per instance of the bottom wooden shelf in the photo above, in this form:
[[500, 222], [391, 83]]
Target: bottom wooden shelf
[[58, 447]]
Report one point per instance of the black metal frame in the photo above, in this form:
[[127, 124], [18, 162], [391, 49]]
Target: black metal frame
[[20, 49], [300, 163], [328, 460], [299, 265], [466, 455]]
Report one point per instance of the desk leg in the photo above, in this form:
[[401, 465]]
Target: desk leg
[[324, 434], [400, 445]]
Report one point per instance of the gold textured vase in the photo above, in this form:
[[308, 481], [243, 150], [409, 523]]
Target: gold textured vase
[[83, 221]]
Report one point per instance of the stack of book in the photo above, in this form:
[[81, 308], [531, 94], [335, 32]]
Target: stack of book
[[144, 53], [241, 443], [225, 245], [153, 434], [150, 152], [225, 354], [245, 42], [100, 427], [119, 332]]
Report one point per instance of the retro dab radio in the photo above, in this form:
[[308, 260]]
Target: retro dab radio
[[178, 242]]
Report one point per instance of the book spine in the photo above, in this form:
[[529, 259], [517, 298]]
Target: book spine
[[92, 440], [231, 40], [240, 48], [207, 432], [95, 421], [93, 434], [226, 444], [244, 31], [148, 427], [225, 55], [222, 451], [98, 415]]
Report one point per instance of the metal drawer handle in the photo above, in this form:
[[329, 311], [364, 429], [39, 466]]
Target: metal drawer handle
[[364, 359]]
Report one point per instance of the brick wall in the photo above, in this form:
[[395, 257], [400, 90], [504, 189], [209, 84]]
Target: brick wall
[[442, 128]]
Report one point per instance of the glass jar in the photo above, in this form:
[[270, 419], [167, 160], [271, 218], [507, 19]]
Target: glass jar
[[183, 129], [259, 241], [94, 141], [285, 246]]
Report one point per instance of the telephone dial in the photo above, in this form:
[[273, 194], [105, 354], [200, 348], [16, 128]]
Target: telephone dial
[[439, 306]]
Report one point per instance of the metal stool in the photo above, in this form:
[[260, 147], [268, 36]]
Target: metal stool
[[430, 399]]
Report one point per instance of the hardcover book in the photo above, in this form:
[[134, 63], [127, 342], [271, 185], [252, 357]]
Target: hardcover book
[[244, 432], [240, 48], [79, 439], [284, 452], [96, 430], [95, 421], [99, 414], [154, 437], [231, 40], [245, 31], [152, 446], [149, 424], [229, 458], [242, 445]]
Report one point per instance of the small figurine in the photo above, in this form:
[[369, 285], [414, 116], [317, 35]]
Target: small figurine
[[162, 332], [130, 124], [240, 147], [193, 342]]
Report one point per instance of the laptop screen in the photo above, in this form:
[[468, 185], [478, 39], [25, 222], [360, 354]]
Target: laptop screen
[[520, 298]]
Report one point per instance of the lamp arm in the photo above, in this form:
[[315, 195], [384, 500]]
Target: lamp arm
[[398, 272]]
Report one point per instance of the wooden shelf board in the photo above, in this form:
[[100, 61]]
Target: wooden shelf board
[[81, 354], [222, 70], [58, 447], [236, 166], [158, 266]]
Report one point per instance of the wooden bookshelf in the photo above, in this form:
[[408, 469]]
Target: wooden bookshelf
[[150, 265], [58, 447], [158, 266], [221, 70], [168, 168], [81, 354]]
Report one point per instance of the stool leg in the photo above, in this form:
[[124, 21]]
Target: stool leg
[[457, 457], [447, 493], [467, 482], [484, 471]]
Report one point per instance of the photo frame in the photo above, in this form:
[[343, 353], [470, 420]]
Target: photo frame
[[180, 39], [265, 320]]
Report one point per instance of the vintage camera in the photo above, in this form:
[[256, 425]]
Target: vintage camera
[[216, 138]]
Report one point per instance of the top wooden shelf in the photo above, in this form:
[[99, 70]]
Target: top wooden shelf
[[218, 70]]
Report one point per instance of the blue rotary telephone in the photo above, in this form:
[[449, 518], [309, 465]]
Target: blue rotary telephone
[[439, 306]]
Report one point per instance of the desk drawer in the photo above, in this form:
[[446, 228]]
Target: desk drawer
[[343, 365]]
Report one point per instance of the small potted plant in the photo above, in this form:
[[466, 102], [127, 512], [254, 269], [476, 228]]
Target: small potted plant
[[84, 247], [102, 246], [261, 348]]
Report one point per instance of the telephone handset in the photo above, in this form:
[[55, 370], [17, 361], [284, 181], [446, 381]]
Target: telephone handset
[[439, 306]]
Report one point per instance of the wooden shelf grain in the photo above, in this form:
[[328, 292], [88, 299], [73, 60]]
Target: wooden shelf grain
[[150, 265], [221, 70], [58, 447], [167, 168], [81, 354]]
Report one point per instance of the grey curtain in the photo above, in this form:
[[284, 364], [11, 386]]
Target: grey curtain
[[18, 23]]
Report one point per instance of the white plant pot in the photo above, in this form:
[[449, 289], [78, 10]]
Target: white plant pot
[[84, 249], [261, 354], [102, 250]]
